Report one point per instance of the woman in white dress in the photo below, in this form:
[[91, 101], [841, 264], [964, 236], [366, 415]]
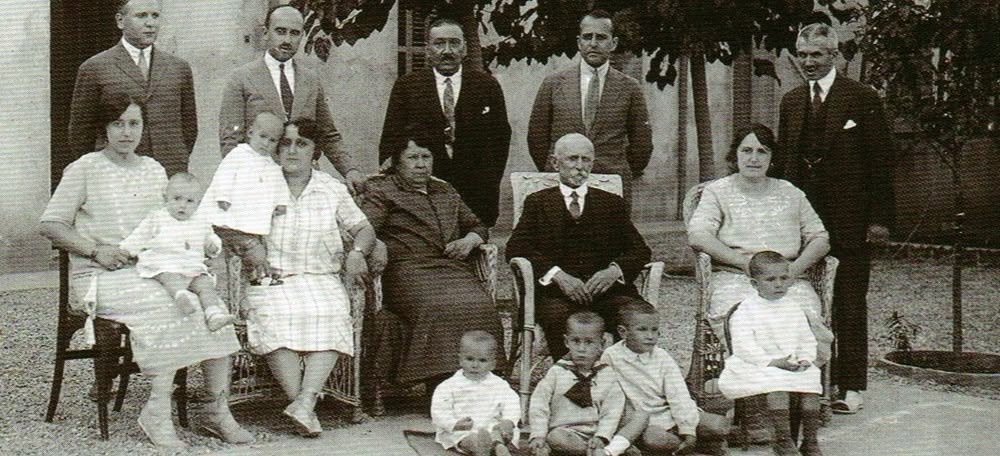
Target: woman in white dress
[[304, 319]]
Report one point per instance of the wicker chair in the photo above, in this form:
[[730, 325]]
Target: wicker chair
[[708, 357], [525, 330], [252, 378]]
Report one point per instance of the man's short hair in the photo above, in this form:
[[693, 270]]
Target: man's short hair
[[122, 5], [267, 18], [587, 318], [819, 32], [441, 22], [632, 309], [760, 260], [598, 14], [478, 337]]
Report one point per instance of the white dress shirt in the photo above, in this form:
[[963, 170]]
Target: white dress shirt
[[272, 67], [587, 72], [824, 83], [456, 85], [134, 53]]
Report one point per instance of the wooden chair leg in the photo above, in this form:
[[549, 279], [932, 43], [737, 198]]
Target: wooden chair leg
[[180, 382], [57, 378], [123, 378], [106, 359]]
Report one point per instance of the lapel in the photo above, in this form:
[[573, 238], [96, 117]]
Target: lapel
[[569, 97], [304, 85], [465, 96], [128, 66], [260, 78], [612, 85], [555, 209], [426, 87], [444, 208], [155, 68], [797, 105], [836, 104]]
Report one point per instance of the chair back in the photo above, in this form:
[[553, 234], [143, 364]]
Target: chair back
[[691, 200], [526, 183]]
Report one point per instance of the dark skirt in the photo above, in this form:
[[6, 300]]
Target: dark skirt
[[427, 306]]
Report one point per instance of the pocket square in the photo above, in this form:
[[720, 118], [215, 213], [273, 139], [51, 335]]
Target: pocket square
[[849, 124], [486, 110]]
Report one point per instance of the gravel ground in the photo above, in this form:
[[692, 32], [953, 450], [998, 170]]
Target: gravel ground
[[919, 289]]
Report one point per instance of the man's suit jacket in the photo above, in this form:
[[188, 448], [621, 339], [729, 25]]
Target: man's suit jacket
[[621, 134], [171, 126], [851, 186], [482, 134], [548, 236], [250, 91]]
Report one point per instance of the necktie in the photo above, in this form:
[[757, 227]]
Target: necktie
[[286, 92], [449, 110], [817, 101], [574, 205], [593, 99], [579, 393], [143, 65]]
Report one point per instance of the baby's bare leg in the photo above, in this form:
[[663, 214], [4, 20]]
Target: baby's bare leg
[[477, 443], [564, 441], [216, 316], [177, 288]]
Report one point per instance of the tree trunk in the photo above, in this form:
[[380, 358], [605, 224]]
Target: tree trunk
[[959, 252], [702, 118], [742, 89], [464, 11], [682, 116]]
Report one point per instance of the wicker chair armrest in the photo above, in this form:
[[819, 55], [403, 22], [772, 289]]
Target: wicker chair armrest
[[651, 277], [486, 268]]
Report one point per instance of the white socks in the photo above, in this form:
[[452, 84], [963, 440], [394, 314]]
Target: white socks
[[617, 446]]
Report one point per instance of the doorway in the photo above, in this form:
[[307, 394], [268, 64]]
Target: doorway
[[79, 29]]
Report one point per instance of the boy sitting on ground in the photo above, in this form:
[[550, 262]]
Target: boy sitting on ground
[[577, 407], [653, 384], [474, 411]]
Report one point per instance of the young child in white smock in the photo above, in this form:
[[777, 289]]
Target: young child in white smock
[[474, 411], [247, 189], [171, 244], [774, 354]]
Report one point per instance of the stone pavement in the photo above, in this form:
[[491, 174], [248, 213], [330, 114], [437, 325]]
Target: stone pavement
[[897, 420]]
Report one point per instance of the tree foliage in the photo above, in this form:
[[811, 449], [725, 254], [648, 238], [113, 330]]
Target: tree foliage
[[937, 66], [665, 29]]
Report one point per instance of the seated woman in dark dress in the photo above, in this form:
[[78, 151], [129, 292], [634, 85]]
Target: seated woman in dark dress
[[431, 292]]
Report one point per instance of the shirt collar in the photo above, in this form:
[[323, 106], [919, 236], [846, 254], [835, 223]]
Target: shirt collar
[[566, 190], [433, 185], [824, 83], [602, 70], [455, 78], [134, 51], [272, 63]]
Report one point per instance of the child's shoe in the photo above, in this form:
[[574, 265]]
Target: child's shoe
[[216, 318], [187, 301], [500, 449], [783, 445]]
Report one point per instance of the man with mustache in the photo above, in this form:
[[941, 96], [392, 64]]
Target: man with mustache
[[597, 101], [275, 83], [584, 250], [839, 151], [463, 112], [159, 79]]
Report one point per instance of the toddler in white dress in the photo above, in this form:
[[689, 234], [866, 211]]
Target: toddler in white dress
[[171, 244], [247, 189], [774, 355], [474, 411]]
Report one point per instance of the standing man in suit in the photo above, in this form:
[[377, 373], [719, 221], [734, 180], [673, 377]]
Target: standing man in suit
[[275, 83], [584, 250], [157, 79], [463, 111], [597, 101], [839, 152]]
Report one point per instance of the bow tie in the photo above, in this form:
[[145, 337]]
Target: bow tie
[[579, 394]]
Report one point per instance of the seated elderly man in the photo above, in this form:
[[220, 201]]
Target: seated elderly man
[[583, 247]]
